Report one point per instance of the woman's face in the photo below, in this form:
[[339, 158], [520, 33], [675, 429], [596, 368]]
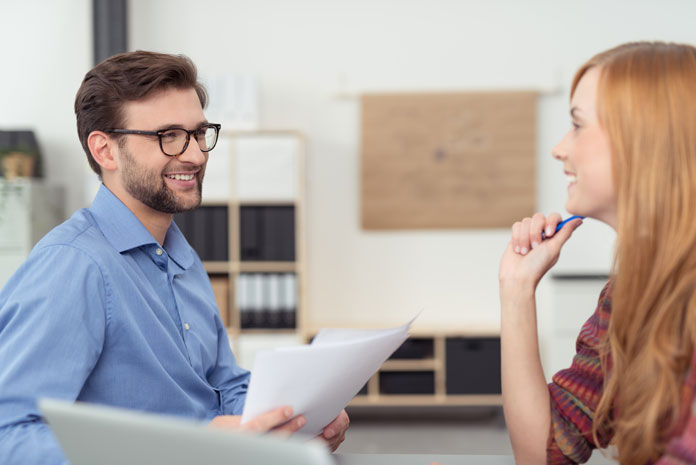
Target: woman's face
[[586, 156]]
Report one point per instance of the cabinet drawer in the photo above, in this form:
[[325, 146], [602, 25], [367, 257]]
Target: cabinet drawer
[[414, 348], [473, 365], [267, 233], [407, 382]]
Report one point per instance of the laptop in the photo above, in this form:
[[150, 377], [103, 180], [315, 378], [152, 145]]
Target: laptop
[[91, 434]]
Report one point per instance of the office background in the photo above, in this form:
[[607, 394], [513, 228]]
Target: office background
[[312, 59]]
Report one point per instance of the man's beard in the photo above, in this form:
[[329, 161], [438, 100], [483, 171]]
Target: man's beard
[[151, 189]]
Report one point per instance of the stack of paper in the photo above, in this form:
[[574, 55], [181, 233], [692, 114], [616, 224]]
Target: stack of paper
[[318, 380]]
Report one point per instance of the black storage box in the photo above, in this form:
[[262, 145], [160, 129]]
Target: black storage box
[[267, 233], [414, 348], [473, 365], [407, 382], [207, 230]]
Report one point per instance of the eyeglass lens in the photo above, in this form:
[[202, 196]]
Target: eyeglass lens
[[174, 140]]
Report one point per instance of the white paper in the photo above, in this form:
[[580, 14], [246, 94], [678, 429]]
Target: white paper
[[318, 380]]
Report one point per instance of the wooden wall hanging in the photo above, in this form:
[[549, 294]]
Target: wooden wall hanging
[[448, 160]]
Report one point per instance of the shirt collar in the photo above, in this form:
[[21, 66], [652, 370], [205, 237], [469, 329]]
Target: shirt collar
[[177, 247], [124, 231]]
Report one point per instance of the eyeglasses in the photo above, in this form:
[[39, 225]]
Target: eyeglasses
[[174, 141]]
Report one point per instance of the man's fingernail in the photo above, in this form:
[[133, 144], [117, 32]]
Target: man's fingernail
[[548, 230], [524, 251], [534, 245], [300, 421], [287, 412], [517, 249]]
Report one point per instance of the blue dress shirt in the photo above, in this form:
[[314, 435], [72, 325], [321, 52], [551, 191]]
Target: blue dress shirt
[[100, 312]]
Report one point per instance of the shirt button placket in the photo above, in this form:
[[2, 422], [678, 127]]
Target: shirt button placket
[[160, 260]]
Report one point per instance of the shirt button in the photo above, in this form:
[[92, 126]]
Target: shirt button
[[158, 251], [186, 326]]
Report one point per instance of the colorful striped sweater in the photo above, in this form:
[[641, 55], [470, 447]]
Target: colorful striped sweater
[[575, 393]]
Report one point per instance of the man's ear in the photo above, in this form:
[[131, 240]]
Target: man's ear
[[104, 150]]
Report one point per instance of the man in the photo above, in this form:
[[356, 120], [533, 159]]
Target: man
[[113, 306]]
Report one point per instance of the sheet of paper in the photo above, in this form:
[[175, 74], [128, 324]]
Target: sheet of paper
[[318, 380]]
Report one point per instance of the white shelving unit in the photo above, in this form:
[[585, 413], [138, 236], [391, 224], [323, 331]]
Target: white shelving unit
[[29, 209]]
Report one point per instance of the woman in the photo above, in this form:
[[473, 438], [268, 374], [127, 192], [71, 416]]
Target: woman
[[630, 158]]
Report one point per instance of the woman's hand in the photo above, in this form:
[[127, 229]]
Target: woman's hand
[[528, 257], [525, 395]]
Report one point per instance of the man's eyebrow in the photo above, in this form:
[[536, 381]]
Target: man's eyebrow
[[164, 127]]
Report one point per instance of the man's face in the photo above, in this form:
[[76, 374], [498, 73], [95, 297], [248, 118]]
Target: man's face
[[163, 183]]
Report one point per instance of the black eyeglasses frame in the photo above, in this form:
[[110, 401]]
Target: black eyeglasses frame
[[161, 132]]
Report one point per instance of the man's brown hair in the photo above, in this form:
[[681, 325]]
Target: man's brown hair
[[128, 77]]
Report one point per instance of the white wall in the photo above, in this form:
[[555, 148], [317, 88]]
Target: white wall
[[304, 51], [46, 49]]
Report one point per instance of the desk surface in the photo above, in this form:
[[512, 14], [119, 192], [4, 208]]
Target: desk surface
[[422, 459]]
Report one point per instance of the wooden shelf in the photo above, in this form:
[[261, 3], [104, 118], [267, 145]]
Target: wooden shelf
[[233, 196], [214, 203], [488, 330], [412, 365], [426, 400], [265, 267], [435, 355], [251, 267], [266, 203], [265, 331], [217, 267], [468, 348]]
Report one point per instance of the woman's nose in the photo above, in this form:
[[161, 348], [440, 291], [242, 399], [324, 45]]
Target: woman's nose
[[560, 150]]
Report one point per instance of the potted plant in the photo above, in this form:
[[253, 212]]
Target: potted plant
[[19, 154]]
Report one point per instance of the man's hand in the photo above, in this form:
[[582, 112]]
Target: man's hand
[[335, 432], [278, 420]]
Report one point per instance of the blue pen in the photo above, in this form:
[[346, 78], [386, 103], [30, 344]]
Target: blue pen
[[560, 225]]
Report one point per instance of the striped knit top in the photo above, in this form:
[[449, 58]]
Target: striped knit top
[[575, 394]]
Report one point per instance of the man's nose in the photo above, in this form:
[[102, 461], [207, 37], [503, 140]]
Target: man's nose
[[193, 153]]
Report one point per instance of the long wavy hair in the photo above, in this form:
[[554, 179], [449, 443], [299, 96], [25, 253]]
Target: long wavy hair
[[646, 103]]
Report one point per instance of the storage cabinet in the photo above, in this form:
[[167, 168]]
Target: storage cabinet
[[29, 209], [248, 232], [436, 368], [473, 365], [267, 233]]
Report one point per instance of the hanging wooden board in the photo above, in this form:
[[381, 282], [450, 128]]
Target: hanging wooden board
[[447, 160]]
